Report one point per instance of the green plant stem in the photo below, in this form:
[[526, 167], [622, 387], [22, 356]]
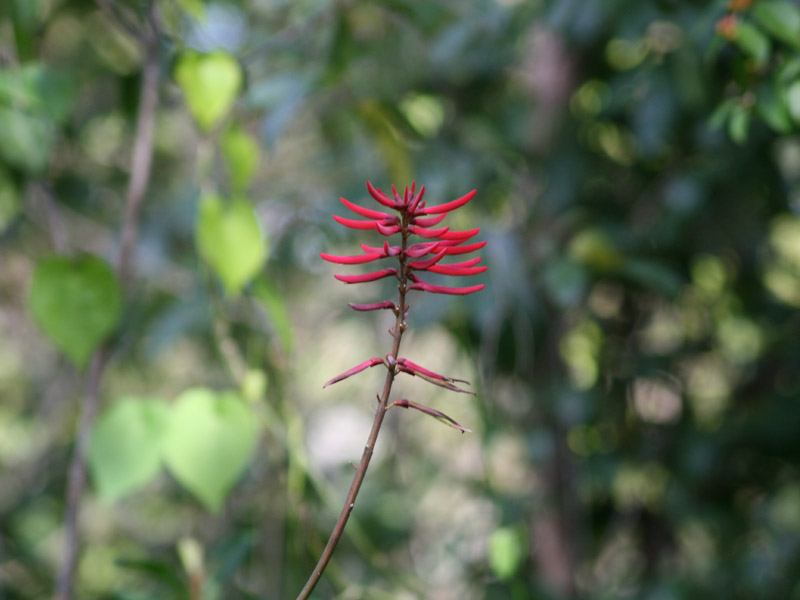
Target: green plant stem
[[380, 413]]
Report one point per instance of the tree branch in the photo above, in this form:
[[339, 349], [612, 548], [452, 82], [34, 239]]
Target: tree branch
[[141, 162]]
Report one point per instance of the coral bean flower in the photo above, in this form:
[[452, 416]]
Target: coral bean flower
[[408, 216]]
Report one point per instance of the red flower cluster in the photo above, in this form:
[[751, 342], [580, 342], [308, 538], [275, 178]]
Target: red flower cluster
[[413, 219]]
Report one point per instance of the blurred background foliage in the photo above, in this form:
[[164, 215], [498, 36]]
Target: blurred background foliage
[[636, 432]]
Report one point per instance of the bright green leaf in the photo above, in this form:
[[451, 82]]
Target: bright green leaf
[[753, 42], [76, 302], [210, 83], [772, 109], [781, 19], [209, 444], [230, 239], [25, 140], [240, 151], [506, 552], [125, 449]]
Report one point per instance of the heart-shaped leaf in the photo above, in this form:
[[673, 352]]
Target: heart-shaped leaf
[[210, 441], [125, 449], [230, 240], [210, 83], [76, 302]]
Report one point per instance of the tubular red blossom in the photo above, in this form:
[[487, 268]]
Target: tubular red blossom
[[353, 224], [387, 250], [440, 289], [466, 249], [436, 414], [451, 270], [380, 197], [357, 369], [367, 276], [351, 260], [461, 236], [421, 249], [415, 202], [429, 222], [422, 370], [406, 366], [428, 233], [364, 212], [397, 197], [373, 306], [387, 230], [427, 263], [449, 206]]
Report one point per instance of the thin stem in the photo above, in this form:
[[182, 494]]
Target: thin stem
[[380, 412], [137, 185]]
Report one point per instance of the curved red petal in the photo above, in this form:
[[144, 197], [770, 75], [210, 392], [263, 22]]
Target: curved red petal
[[351, 260], [357, 369], [416, 202], [372, 306], [379, 196], [387, 250], [429, 222], [428, 262], [353, 224], [374, 276], [452, 250], [387, 229], [451, 270], [428, 233], [440, 289], [364, 212], [461, 236], [421, 249], [448, 206]]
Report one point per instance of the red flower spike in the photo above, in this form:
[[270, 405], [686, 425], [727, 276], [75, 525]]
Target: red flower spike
[[357, 369], [373, 306], [364, 212], [380, 197], [351, 260], [449, 206], [428, 233], [440, 289], [429, 222], [367, 276]]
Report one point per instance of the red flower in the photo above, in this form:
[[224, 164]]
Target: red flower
[[412, 218]]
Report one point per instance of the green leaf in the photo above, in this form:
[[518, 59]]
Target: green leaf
[[125, 449], [781, 19], [739, 124], [37, 89], [76, 302], [793, 100], [772, 108], [230, 240], [273, 301], [506, 552], [722, 112], [753, 42], [240, 151], [25, 140], [210, 83], [209, 444]]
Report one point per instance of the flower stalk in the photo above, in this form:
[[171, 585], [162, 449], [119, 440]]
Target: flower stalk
[[412, 258]]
